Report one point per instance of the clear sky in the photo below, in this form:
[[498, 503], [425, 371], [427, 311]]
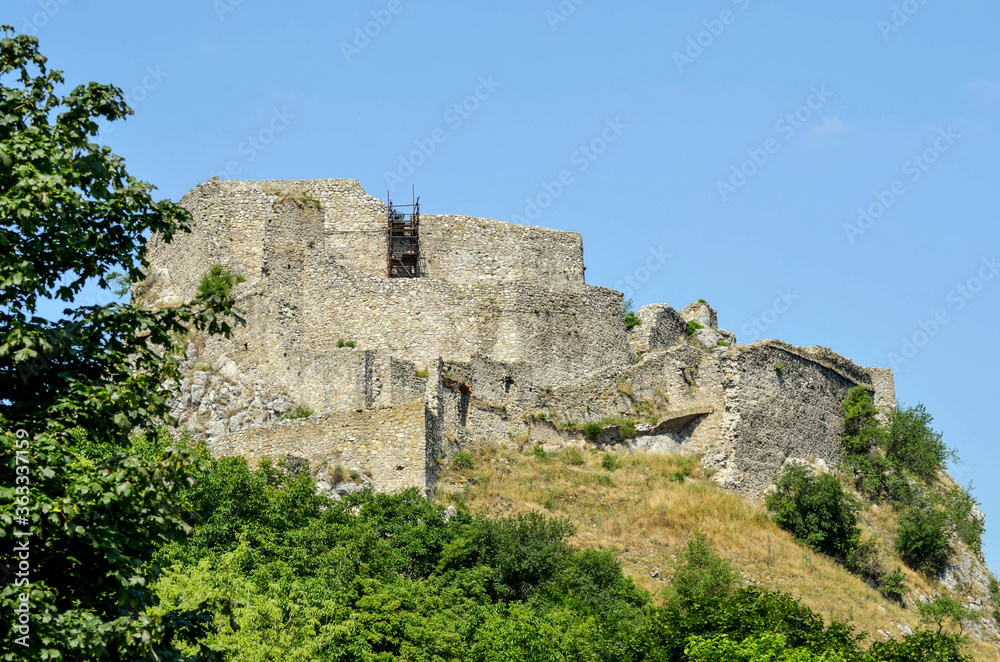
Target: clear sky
[[822, 173]]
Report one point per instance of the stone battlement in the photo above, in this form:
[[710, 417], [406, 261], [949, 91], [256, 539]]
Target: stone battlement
[[499, 341]]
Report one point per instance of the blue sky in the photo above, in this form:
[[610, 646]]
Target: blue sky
[[819, 172]]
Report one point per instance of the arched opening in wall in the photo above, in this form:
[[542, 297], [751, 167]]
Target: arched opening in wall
[[508, 381], [465, 397], [403, 239]]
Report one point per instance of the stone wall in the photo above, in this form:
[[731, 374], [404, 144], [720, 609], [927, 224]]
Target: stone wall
[[386, 445], [464, 250], [500, 342], [315, 273]]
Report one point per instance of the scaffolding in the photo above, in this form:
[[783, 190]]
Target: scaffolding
[[403, 239]]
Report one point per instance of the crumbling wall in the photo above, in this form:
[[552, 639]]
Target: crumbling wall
[[501, 341], [460, 249], [388, 445], [314, 277]]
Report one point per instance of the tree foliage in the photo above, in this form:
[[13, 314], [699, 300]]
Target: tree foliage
[[376, 577], [943, 610], [71, 216], [922, 539], [896, 456], [816, 510]]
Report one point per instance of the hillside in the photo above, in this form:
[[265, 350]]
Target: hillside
[[651, 505]]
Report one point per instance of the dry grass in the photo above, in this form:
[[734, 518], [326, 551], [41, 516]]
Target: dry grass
[[650, 506]]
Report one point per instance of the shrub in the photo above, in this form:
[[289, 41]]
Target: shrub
[[941, 610], [864, 561], [861, 425], [218, 282], [422, 373], [896, 460], [721, 343], [626, 428], [572, 456], [296, 412], [922, 539], [914, 445], [540, 453], [464, 460], [345, 343], [703, 579], [631, 319], [816, 510], [525, 551], [691, 327], [609, 462], [892, 586], [959, 505], [778, 367], [592, 431], [919, 647], [338, 475]]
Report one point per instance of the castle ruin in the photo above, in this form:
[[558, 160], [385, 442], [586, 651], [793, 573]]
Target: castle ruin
[[381, 341]]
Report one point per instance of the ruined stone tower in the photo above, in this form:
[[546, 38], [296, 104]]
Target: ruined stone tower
[[380, 345]]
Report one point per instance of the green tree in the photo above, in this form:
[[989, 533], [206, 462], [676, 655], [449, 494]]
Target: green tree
[[942, 610], [816, 510], [911, 443], [922, 646], [72, 215], [703, 578], [862, 430], [922, 539]]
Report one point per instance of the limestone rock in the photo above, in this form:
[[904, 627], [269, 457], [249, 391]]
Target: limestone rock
[[702, 313]]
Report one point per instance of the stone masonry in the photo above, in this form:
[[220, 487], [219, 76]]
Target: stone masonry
[[378, 380]]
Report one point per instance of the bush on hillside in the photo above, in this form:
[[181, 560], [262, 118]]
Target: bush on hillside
[[960, 508], [895, 455], [816, 510], [913, 445], [703, 578], [922, 540], [379, 577]]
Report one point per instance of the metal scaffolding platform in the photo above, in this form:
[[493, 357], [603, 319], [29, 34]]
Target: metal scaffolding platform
[[403, 239]]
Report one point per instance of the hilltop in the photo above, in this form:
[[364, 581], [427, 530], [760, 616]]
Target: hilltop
[[384, 348]]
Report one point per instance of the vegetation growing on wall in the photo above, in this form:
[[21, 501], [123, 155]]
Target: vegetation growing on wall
[[218, 282], [631, 319], [296, 412]]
